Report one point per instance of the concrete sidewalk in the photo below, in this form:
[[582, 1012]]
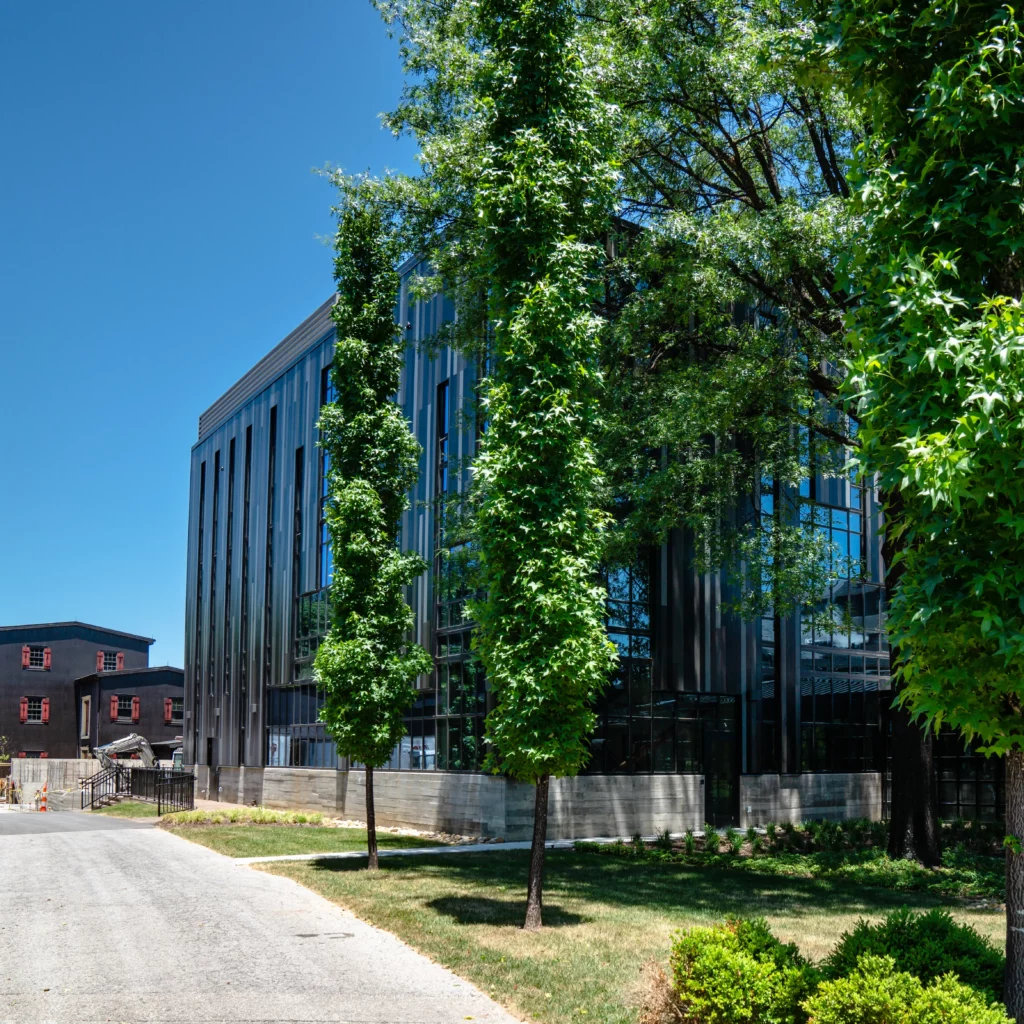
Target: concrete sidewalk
[[132, 924]]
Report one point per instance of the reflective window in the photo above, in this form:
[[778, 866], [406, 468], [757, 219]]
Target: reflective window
[[296, 738]]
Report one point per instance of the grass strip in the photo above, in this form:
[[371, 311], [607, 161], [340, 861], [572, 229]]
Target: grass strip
[[275, 840], [605, 918], [129, 809]]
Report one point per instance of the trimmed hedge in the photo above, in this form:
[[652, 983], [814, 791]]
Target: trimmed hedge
[[927, 946], [739, 973], [876, 993], [909, 969]]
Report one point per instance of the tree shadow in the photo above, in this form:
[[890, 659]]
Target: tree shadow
[[673, 888], [485, 910]]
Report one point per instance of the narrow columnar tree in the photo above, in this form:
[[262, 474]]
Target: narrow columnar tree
[[543, 197], [938, 367], [366, 664]]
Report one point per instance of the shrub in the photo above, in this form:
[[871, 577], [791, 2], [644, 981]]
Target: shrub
[[689, 842], [739, 973], [876, 993], [734, 840], [710, 838], [925, 945], [880, 834], [664, 840]]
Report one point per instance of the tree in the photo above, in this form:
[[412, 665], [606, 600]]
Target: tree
[[727, 307], [543, 197], [725, 302], [365, 665], [515, 196], [938, 367]]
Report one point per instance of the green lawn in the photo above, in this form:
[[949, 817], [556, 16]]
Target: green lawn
[[129, 809], [275, 840], [605, 918]]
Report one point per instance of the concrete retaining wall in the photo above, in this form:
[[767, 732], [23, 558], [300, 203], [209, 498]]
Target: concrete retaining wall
[[797, 798], [474, 804], [58, 773], [589, 805]]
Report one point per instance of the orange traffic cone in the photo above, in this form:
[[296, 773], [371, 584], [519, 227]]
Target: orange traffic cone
[[42, 803]]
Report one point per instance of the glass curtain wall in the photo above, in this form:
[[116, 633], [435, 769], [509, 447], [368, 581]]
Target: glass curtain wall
[[844, 663]]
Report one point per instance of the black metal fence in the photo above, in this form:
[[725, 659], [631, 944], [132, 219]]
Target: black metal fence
[[175, 791], [170, 789]]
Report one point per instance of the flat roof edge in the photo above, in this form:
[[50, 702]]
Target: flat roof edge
[[267, 369], [83, 625]]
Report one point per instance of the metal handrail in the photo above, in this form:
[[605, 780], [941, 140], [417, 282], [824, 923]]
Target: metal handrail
[[107, 784]]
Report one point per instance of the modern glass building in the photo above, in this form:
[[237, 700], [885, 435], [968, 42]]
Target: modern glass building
[[708, 718]]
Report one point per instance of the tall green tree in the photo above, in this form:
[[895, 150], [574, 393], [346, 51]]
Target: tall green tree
[[515, 196], [366, 664], [938, 367], [544, 195]]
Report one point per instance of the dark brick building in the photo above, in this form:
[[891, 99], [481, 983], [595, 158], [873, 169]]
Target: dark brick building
[[39, 665], [148, 701]]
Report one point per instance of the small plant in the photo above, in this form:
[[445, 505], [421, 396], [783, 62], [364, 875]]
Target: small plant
[[664, 841], [771, 834], [689, 842], [5, 750], [637, 841], [734, 840], [711, 838]]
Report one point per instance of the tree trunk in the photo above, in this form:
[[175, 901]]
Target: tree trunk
[[371, 824], [535, 886], [913, 822], [913, 803], [1013, 983]]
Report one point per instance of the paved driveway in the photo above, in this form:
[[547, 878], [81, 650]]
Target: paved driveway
[[107, 920]]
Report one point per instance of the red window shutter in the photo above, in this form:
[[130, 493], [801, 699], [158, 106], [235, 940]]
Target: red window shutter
[[43, 753], [113, 707], [120, 661], [24, 710], [46, 710], [47, 658], [167, 710], [26, 655], [99, 661], [136, 704]]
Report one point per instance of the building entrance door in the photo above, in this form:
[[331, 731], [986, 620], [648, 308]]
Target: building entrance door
[[214, 770], [721, 749]]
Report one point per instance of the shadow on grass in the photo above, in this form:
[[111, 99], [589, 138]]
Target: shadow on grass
[[627, 883], [484, 910]]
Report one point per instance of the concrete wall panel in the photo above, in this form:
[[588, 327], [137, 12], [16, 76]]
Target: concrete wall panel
[[796, 798]]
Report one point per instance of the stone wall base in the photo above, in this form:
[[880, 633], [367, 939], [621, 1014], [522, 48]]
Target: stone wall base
[[836, 796], [587, 806]]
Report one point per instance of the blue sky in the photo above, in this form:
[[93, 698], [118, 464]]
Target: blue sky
[[160, 230]]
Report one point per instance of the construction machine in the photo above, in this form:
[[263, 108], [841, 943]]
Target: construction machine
[[127, 745]]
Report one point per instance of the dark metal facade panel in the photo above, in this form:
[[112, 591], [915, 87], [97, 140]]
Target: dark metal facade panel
[[215, 708]]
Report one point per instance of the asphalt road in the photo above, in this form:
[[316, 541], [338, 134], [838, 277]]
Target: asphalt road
[[105, 920]]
